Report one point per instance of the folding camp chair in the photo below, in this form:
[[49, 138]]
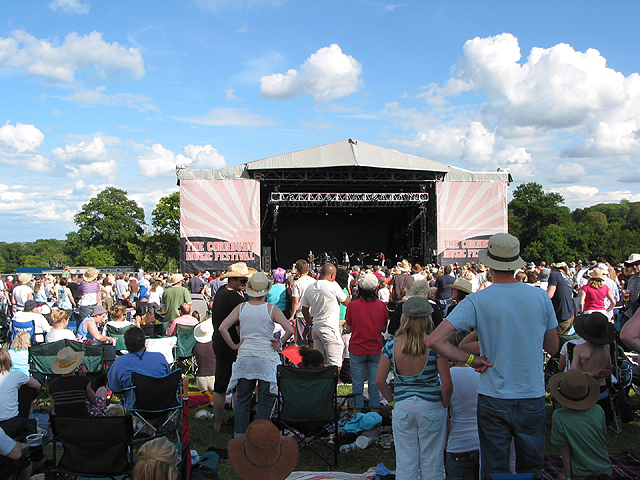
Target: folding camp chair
[[183, 353], [94, 447], [41, 358], [156, 402], [29, 327], [118, 334], [308, 406], [199, 304]]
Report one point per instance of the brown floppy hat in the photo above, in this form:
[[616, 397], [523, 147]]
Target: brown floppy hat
[[263, 454], [574, 389]]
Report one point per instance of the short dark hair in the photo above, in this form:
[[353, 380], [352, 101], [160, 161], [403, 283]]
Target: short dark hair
[[302, 266], [447, 269], [134, 339]]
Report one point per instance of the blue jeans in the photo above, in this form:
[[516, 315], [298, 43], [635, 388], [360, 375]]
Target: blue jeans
[[359, 365], [244, 391], [462, 466], [522, 419]]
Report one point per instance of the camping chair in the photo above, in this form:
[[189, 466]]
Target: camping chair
[[118, 334], [199, 304], [29, 327], [41, 358], [156, 402], [308, 406], [183, 353], [94, 447]]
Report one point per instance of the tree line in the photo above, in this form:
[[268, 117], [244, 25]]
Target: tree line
[[112, 231]]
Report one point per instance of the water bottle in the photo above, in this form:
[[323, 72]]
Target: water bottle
[[349, 447]]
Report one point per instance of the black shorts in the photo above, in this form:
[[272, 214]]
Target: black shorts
[[225, 357]]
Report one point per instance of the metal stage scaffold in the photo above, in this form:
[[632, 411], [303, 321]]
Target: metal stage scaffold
[[343, 199]]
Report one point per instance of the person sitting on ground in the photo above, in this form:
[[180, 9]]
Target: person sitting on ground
[[60, 321], [10, 381], [19, 352], [157, 460], [137, 360], [71, 392], [185, 318], [311, 358], [579, 428], [593, 357]]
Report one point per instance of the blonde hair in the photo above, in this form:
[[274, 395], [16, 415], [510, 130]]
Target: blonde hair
[[118, 311], [414, 331], [596, 283], [5, 360], [59, 316], [157, 460], [21, 342]]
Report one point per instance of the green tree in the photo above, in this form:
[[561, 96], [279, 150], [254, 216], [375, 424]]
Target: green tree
[[99, 255], [110, 220], [165, 240]]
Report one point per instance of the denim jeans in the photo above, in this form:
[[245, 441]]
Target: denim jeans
[[419, 435], [359, 365], [244, 391], [501, 419], [463, 466]]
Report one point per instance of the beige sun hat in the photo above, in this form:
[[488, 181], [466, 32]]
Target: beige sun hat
[[67, 360], [503, 253], [91, 274], [24, 278], [461, 284], [203, 332], [404, 266], [239, 269], [367, 281], [574, 389], [175, 278], [596, 274], [259, 285]]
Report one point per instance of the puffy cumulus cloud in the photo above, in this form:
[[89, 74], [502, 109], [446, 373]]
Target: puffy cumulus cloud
[[21, 201], [107, 169], [83, 152], [229, 117], [160, 161], [581, 196], [568, 173], [41, 58], [326, 75], [98, 97], [88, 158], [477, 144], [518, 161], [70, 6], [20, 138]]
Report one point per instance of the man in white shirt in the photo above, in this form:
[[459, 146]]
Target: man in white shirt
[[40, 323], [321, 308], [297, 291]]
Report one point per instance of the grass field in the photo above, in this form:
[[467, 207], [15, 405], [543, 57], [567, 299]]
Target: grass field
[[359, 461]]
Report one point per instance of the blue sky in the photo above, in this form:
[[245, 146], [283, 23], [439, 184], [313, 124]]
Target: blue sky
[[119, 92]]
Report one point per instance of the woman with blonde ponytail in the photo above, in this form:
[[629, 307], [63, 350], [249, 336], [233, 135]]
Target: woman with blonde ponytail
[[422, 392], [157, 460]]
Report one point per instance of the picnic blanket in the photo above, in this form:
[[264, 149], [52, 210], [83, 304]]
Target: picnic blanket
[[625, 465], [368, 475]]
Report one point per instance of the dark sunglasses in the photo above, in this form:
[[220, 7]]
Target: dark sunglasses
[[243, 280]]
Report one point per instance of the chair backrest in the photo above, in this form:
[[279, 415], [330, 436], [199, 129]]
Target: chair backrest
[[28, 326], [185, 341], [42, 356], [118, 334], [97, 446], [308, 395], [199, 304], [156, 394]]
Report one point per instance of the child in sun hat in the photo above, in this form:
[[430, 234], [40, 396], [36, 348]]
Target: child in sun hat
[[579, 428]]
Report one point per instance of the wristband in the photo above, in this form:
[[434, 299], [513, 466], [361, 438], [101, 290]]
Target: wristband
[[470, 359]]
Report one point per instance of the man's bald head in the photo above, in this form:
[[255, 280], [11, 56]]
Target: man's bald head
[[328, 272], [185, 309]]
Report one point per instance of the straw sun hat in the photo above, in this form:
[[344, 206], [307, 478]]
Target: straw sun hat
[[258, 285], [67, 360]]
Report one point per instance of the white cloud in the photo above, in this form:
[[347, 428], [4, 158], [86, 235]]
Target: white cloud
[[70, 6], [40, 58], [25, 201], [582, 196], [88, 158], [107, 169], [568, 173], [159, 161], [20, 138], [477, 144], [83, 152], [230, 94], [233, 117], [326, 75], [98, 97]]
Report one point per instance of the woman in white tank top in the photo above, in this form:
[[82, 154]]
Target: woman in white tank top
[[257, 350]]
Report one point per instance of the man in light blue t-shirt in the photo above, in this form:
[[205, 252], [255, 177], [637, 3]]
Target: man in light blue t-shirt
[[514, 322]]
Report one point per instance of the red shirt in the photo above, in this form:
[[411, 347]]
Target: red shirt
[[367, 321]]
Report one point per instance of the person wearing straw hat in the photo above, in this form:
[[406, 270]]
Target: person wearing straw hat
[[579, 428], [22, 292], [592, 294], [263, 454], [514, 322], [225, 300], [460, 288], [173, 297], [89, 292], [70, 393], [257, 349], [402, 281]]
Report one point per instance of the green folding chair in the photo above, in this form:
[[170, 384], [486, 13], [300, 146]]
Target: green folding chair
[[183, 353], [118, 334]]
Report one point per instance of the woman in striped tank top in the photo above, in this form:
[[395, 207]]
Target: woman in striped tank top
[[422, 391]]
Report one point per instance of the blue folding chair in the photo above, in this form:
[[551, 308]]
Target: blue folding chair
[[29, 327]]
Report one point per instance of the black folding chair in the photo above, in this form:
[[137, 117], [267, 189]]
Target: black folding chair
[[156, 402], [94, 447], [308, 406]]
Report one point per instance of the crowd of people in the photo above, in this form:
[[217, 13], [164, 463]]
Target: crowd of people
[[462, 345]]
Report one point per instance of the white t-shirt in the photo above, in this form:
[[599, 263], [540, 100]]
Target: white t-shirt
[[156, 297], [463, 427], [21, 294], [323, 300], [62, 334], [300, 286], [41, 324], [10, 382]]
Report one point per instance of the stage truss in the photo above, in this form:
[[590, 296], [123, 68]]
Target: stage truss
[[294, 199]]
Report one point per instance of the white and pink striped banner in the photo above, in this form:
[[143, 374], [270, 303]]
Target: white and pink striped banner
[[468, 214], [219, 224]]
